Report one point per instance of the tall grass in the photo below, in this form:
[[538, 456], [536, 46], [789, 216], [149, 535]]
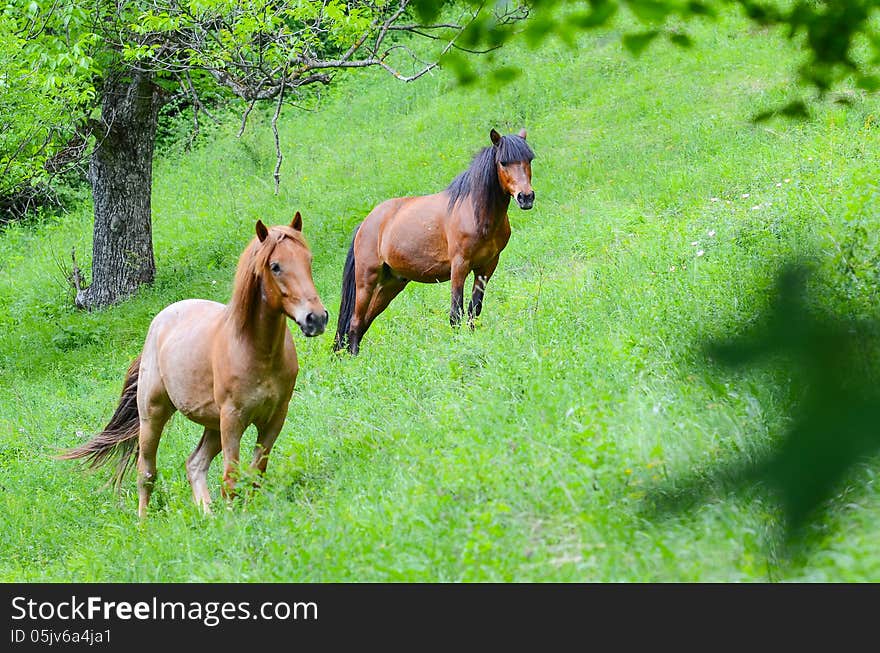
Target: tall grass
[[518, 452]]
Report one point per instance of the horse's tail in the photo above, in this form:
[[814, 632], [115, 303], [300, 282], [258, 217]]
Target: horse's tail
[[346, 303], [119, 439]]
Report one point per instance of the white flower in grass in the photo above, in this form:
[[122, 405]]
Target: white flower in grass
[[745, 195], [786, 180], [695, 243], [711, 233], [713, 199], [700, 252]]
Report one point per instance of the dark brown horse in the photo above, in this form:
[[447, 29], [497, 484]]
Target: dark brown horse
[[223, 366], [434, 238]]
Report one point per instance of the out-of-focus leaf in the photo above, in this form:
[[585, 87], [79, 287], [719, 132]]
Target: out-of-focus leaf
[[681, 40], [650, 11], [636, 43], [506, 74], [699, 9], [832, 364], [599, 14], [796, 109], [868, 82]]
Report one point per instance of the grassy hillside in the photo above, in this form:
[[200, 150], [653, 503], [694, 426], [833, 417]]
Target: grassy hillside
[[519, 452]]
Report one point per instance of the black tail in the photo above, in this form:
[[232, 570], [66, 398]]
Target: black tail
[[346, 304], [119, 439]]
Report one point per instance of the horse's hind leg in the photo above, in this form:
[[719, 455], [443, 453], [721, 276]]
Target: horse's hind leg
[[372, 300], [156, 414], [197, 466], [366, 277], [387, 289], [371, 296]]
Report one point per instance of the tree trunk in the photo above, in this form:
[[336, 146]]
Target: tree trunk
[[121, 175]]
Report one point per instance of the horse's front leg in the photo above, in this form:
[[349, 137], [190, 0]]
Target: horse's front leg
[[232, 426], [266, 436], [458, 274], [481, 278]]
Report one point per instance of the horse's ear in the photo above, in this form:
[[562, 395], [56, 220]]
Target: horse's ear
[[495, 136], [262, 232], [297, 222], [522, 133]]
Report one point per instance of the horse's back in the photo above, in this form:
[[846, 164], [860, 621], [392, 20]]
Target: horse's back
[[409, 235], [177, 357], [187, 319]]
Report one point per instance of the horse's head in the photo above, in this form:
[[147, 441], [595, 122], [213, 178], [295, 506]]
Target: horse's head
[[287, 276], [513, 161]]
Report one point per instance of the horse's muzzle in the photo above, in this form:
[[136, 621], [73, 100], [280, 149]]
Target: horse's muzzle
[[525, 200], [315, 323]]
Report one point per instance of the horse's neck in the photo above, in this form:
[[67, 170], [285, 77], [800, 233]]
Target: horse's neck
[[495, 214], [269, 329], [264, 331]]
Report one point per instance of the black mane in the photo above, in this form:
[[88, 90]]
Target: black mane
[[480, 180]]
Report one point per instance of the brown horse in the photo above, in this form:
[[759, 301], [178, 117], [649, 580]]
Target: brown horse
[[223, 366], [435, 238]]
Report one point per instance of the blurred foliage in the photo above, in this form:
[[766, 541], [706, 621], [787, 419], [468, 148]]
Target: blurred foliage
[[830, 32], [53, 55], [832, 365]]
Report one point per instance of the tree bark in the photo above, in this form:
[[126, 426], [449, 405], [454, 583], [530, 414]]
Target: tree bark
[[121, 176]]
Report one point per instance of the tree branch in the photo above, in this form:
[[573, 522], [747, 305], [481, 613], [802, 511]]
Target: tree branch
[[244, 117], [277, 173]]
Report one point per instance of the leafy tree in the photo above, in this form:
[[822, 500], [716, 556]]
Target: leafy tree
[[105, 69], [35, 102]]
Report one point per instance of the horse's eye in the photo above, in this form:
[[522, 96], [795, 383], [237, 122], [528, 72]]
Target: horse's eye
[[276, 269], [503, 163]]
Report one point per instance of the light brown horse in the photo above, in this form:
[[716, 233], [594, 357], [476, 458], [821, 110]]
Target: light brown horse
[[223, 366], [434, 238]]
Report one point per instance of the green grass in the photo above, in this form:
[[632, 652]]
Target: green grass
[[518, 452]]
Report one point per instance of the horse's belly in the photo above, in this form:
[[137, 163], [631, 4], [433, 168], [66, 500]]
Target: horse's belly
[[190, 387], [207, 414], [415, 248], [421, 271]]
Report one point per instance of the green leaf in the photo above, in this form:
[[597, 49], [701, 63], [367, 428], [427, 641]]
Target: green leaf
[[600, 14], [681, 40], [506, 74], [650, 11], [427, 10], [699, 9], [636, 43], [460, 66], [868, 82], [796, 109]]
